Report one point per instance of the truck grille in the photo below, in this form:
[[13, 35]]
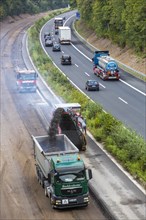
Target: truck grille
[[28, 84], [71, 191]]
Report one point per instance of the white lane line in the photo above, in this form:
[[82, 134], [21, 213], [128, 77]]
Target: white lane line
[[119, 79], [87, 74], [41, 97], [122, 100], [102, 85], [133, 87], [81, 52], [62, 51], [76, 65]]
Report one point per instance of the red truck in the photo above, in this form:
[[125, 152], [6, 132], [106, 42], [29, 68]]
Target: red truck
[[26, 80]]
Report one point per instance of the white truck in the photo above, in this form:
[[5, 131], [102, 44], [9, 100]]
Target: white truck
[[64, 35]]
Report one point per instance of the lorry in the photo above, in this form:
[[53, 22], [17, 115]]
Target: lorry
[[67, 119], [104, 66], [58, 22], [61, 171], [26, 80], [64, 35]]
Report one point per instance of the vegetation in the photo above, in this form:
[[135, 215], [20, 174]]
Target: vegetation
[[122, 21], [17, 7], [126, 146]]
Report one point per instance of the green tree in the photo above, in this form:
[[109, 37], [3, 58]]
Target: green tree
[[73, 3], [134, 17]]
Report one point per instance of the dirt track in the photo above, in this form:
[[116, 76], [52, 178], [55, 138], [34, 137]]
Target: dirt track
[[21, 196]]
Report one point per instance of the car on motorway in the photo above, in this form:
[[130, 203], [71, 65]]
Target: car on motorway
[[46, 34], [48, 37], [56, 47], [66, 59], [48, 43], [92, 84], [56, 32]]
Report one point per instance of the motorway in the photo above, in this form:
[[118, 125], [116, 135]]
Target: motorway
[[121, 194], [125, 99], [25, 114]]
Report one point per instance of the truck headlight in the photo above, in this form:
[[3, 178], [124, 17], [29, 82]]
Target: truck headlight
[[58, 202], [86, 199]]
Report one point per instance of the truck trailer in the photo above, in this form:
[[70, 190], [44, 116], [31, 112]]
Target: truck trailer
[[61, 171], [64, 35], [104, 66]]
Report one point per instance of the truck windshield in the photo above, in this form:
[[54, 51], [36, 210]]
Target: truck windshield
[[69, 177], [31, 76]]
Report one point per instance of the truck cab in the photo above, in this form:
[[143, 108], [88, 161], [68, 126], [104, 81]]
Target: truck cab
[[26, 80], [68, 185], [61, 171]]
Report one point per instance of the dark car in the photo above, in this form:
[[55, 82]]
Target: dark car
[[92, 84], [48, 43], [46, 34], [56, 47], [48, 38], [66, 59], [56, 32]]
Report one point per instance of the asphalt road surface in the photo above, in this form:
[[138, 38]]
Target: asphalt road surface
[[125, 99], [25, 114], [119, 192], [21, 196]]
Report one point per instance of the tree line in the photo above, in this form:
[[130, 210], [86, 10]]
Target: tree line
[[122, 21], [17, 7]]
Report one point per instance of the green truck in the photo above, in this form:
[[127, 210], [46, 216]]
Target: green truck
[[61, 171]]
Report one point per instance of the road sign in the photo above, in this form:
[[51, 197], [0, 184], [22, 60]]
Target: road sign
[[77, 15]]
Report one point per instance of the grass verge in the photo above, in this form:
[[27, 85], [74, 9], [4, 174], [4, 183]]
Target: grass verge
[[128, 148]]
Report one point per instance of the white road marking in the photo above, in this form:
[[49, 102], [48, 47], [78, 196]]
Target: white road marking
[[76, 65], [59, 101], [87, 74], [132, 87], [62, 51], [102, 85], [122, 100], [41, 97], [119, 79]]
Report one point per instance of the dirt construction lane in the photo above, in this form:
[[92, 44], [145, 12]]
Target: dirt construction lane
[[21, 196]]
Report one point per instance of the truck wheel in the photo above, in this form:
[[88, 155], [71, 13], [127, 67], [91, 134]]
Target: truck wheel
[[41, 180], [46, 193], [51, 202], [42, 183], [37, 174]]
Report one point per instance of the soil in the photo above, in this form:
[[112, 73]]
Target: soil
[[21, 196]]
